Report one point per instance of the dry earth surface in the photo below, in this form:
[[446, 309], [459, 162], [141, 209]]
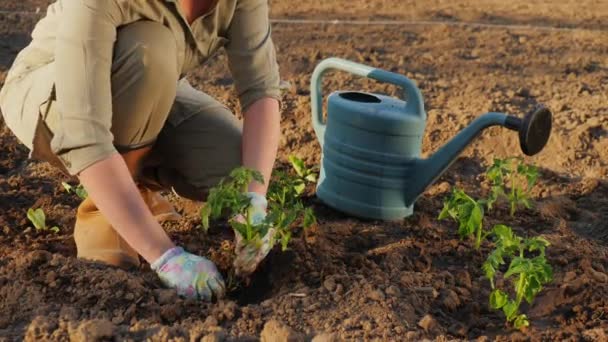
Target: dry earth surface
[[351, 279]]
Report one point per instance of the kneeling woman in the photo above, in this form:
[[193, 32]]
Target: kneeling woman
[[100, 93]]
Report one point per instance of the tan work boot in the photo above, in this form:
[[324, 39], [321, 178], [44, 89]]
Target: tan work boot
[[97, 240], [160, 207]]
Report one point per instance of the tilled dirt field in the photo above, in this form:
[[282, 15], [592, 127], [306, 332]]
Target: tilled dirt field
[[352, 279]]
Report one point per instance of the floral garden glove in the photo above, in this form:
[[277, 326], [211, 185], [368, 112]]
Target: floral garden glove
[[249, 256], [191, 275]]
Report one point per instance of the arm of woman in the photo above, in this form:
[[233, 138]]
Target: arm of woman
[[111, 187], [84, 142], [261, 133], [253, 64]]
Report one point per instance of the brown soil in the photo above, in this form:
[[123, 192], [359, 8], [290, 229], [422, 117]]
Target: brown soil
[[347, 278]]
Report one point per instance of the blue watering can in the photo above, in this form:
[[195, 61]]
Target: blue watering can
[[371, 143]]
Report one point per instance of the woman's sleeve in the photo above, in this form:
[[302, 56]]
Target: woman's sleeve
[[83, 61], [251, 53]]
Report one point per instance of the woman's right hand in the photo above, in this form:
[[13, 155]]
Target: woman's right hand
[[191, 275]]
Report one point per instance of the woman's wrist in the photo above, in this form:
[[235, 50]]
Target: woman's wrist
[[257, 188], [166, 256], [156, 252]]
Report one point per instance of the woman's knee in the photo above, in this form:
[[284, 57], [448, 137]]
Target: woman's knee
[[144, 80], [210, 147], [201, 151]]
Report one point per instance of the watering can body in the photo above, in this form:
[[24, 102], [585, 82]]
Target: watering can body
[[371, 144], [369, 151]]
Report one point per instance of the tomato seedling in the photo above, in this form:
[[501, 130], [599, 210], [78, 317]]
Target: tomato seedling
[[38, 219], [520, 177], [283, 220], [468, 213], [286, 187], [305, 174], [79, 190], [527, 274], [284, 200], [230, 196], [285, 209]]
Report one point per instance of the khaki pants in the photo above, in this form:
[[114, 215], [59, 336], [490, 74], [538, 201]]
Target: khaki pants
[[195, 139]]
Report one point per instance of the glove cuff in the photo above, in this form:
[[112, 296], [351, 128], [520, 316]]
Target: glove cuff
[[168, 255], [257, 200]]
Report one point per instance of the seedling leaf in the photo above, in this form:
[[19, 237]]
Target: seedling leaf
[[37, 218], [519, 265], [309, 218], [521, 321], [79, 190], [467, 212], [498, 299], [537, 244], [510, 309], [298, 165], [205, 213], [299, 188], [311, 178], [241, 228]]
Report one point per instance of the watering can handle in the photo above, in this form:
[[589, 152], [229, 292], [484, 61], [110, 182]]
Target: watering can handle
[[415, 104]]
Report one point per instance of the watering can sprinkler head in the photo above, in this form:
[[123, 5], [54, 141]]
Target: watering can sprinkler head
[[371, 165], [534, 129]]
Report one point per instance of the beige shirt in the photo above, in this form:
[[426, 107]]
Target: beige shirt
[[77, 37]]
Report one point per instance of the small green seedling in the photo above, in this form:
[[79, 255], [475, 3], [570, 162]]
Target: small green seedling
[[285, 205], [283, 220], [468, 213], [520, 177], [305, 175], [284, 189], [230, 195], [79, 190], [527, 274], [285, 209], [528, 270], [38, 219]]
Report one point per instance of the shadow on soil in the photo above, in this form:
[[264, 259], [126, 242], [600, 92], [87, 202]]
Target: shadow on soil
[[589, 214]]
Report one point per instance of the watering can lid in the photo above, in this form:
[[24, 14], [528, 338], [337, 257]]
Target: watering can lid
[[374, 112]]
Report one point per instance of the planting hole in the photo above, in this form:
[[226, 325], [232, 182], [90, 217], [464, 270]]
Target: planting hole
[[272, 274]]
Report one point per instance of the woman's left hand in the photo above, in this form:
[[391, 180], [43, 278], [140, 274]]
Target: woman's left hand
[[249, 256]]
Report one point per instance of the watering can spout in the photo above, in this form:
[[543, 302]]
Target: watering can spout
[[534, 130]]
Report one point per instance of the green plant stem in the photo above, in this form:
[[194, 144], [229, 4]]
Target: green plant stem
[[479, 236], [485, 235], [513, 200], [233, 282], [249, 224], [520, 291]]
